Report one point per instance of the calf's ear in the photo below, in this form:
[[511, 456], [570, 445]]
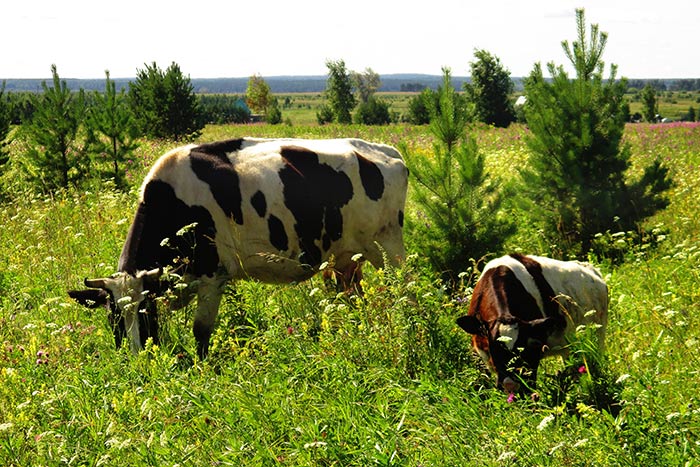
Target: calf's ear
[[91, 298], [541, 329], [472, 325]]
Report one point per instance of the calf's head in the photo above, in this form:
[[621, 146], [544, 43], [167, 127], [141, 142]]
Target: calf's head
[[512, 348], [130, 301]]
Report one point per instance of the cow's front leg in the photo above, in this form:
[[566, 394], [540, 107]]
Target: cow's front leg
[[209, 292]]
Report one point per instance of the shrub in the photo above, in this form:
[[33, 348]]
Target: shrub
[[373, 112], [221, 108], [5, 122], [324, 114], [273, 116], [419, 107]]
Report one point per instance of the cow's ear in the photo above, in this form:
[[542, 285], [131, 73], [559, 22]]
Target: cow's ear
[[91, 298], [151, 279], [541, 329], [472, 325]]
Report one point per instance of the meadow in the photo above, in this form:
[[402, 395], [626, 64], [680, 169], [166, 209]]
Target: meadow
[[301, 108], [298, 375]]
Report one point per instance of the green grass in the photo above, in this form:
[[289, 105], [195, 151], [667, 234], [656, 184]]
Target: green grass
[[302, 107], [300, 376]]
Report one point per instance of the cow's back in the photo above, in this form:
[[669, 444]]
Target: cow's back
[[281, 207]]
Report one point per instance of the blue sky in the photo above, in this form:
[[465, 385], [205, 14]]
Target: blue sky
[[210, 39]]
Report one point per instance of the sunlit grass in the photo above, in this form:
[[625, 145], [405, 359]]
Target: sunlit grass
[[300, 376]]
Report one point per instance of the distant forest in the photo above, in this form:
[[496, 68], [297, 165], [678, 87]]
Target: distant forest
[[292, 84], [278, 84]]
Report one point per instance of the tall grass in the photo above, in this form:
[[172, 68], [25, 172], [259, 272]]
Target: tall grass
[[298, 375]]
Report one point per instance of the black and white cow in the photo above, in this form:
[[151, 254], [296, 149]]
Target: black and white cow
[[525, 307], [273, 210]]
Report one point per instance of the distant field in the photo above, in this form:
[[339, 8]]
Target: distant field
[[672, 104], [300, 108]]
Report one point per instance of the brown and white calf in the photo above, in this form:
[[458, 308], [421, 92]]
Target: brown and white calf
[[525, 308], [268, 209]]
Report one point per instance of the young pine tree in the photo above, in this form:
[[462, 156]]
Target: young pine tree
[[112, 129], [165, 104], [576, 177], [5, 126], [649, 104], [57, 156], [458, 214]]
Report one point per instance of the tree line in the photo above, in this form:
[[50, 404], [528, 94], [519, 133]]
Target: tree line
[[575, 187]]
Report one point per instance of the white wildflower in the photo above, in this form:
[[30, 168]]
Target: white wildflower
[[580, 443], [506, 456], [622, 378], [545, 422], [505, 339]]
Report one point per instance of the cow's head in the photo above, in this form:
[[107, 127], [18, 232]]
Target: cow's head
[[130, 301], [512, 348]]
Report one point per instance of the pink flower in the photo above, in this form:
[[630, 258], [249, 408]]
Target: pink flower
[[582, 369], [511, 398]]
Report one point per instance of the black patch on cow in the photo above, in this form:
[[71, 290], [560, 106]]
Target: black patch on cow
[[314, 193], [400, 218], [511, 294], [371, 177], [551, 308], [220, 149], [278, 236], [259, 203], [161, 215], [216, 170]]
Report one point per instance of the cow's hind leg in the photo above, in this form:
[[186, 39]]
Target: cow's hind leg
[[209, 293]]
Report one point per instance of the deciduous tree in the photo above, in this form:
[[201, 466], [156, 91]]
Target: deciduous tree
[[649, 105], [490, 90], [366, 84], [339, 91], [258, 95]]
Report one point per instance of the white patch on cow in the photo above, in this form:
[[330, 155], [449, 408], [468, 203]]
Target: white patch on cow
[[522, 275], [508, 334], [580, 289]]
